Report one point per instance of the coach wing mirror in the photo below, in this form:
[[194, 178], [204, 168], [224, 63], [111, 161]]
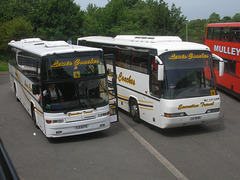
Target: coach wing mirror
[[221, 64], [35, 89], [221, 68], [160, 68]]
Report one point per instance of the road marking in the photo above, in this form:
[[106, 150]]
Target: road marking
[[153, 151]]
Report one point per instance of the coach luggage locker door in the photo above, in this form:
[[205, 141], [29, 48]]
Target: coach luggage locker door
[[112, 86]]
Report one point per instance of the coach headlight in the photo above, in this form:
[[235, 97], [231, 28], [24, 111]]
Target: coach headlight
[[171, 115], [54, 121], [213, 110], [103, 114]]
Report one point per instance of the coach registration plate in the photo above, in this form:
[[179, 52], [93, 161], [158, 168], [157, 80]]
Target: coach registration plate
[[196, 118], [81, 127]]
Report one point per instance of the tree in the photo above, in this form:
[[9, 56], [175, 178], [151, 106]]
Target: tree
[[151, 17], [160, 16], [236, 17], [58, 20], [92, 21], [130, 3], [196, 30], [113, 15], [135, 20], [10, 9], [214, 18], [15, 29], [226, 19], [177, 21]]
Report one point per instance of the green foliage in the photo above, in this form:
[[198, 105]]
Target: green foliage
[[15, 29], [112, 16], [58, 20], [197, 30], [177, 20], [214, 18], [236, 17], [92, 24], [133, 17], [226, 19], [10, 9], [63, 19]]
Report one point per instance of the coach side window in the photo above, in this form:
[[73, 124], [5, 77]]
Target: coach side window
[[215, 64], [28, 65], [13, 60], [124, 58], [140, 61]]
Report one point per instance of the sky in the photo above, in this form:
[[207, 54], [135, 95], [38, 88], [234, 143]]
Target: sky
[[192, 9]]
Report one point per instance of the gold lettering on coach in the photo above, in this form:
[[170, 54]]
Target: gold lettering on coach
[[80, 113], [77, 62], [207, 104], [128, 80], [202, 104], [189, 56], [187, 107], [28, 86]]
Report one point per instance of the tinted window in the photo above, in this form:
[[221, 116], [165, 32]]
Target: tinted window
[[230, 67], [73, 66], [209, 33], [226, 34], [29, 65], [236, 34], [217, 33]]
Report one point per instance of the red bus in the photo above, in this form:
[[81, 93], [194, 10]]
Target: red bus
[[223, 39]]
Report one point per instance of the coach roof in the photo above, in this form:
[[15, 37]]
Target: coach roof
[[42, 48], [160, 43]]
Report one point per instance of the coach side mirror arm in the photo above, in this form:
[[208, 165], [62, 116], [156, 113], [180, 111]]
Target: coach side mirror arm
[[221, 64], [160, 68]]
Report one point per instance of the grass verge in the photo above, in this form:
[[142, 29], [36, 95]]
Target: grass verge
[[3, 66]]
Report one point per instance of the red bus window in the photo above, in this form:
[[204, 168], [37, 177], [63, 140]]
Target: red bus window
[[226, 34], [237, 69], [236, 34], [230, 67], [209, 33], [217, 33]]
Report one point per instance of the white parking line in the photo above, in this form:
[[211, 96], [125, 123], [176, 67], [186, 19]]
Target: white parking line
[[153, 151]]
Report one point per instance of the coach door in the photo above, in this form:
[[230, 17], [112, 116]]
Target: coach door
[[112, 86]]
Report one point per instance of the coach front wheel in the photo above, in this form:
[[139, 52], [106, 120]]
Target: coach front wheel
[[134, 111], [34, 117], [15, 93]]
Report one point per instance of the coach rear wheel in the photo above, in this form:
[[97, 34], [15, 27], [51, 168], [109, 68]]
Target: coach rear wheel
[[134, 111]]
